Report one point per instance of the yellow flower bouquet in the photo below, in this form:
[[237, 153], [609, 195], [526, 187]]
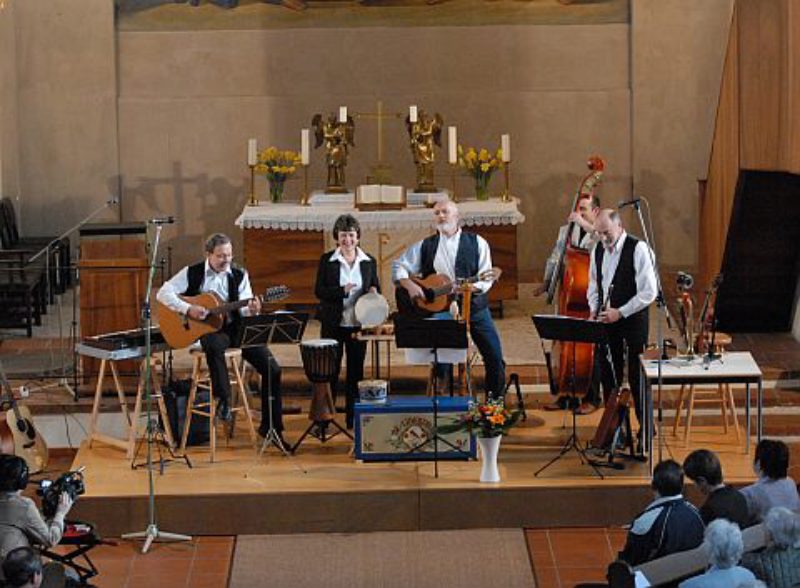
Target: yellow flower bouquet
[[488, 419], [480, 164], [277, 165]]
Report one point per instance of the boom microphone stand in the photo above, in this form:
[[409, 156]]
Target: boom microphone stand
[[662, 350], [152, 533], [62, 377]]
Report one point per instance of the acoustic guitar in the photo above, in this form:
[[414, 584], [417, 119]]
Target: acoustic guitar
[[180, 330], [25, 439], [438, 291]]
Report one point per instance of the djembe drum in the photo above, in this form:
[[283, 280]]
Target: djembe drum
[[319, 363]]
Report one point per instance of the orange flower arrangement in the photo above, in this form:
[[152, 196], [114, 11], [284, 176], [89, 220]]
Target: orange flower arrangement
[[488, 419]]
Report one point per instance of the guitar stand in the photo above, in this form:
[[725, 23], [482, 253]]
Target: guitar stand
[[513, 380], [156, 432]]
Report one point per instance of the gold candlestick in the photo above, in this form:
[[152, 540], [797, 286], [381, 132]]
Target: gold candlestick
[[304, 197], [506, 196], [453, 167], [252, 201]]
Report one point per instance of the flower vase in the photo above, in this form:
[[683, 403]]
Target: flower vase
[[482, 187], [276, 189], [489, 447]]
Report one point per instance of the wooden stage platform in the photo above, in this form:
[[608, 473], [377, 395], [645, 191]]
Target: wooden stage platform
[[323, 489]]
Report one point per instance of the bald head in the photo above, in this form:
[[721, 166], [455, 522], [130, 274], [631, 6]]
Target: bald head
[[446, 214], [608, 226]]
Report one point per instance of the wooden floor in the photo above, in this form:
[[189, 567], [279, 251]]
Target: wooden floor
[[323, 489]]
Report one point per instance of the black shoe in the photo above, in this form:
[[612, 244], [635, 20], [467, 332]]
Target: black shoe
[[224, 410]]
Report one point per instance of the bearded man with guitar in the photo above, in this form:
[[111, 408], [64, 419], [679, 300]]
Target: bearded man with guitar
[[230, 283], [459, 255]]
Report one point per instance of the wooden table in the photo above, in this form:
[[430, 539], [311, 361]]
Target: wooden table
[[733, 368], [283, 242]]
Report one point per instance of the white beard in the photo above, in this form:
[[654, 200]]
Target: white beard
[[447, 228]]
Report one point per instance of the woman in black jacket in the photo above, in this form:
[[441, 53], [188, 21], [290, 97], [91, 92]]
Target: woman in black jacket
[[344, 274]]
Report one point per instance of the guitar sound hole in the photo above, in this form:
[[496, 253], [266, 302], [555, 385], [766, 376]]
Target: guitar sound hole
[[24, 427]]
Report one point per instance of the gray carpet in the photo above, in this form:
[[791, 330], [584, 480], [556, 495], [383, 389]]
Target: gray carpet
[[422, 559]]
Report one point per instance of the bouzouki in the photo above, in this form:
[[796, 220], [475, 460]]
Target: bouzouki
[[180, 330], [438, 291], [26, 441]]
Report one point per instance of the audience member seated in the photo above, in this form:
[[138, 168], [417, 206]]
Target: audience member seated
[[722, 501], [668, 525], [723, 542], [779, 563], [22, 568], [774, 487], [21, 525]]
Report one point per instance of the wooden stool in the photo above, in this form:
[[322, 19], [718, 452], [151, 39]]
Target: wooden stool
[[722, 394], [238, 400]]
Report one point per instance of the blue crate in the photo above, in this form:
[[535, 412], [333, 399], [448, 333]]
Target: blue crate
[[387, 432]]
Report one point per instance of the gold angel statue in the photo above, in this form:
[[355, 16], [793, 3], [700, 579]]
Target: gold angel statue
[[338, 138], [423, 135]]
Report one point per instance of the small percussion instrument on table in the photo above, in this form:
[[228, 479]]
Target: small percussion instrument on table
[[319, 362]]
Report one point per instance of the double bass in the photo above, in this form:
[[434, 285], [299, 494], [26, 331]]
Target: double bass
[[571, 276]]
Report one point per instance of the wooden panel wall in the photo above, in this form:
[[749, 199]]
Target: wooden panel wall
[[717, 200]]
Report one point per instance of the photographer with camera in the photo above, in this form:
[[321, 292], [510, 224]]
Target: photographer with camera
[[21, 524]]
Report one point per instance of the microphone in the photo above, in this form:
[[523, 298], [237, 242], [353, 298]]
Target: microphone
[[165, 220], [623, 203]]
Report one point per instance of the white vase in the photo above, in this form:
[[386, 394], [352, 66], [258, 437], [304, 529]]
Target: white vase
[[489, 447]]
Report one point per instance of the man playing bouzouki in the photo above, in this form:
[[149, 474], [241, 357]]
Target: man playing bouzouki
[[217, 274], [458, 255]]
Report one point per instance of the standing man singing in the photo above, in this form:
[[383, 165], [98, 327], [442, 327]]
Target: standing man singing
[[217, 274], [457, 254], [622, 285]]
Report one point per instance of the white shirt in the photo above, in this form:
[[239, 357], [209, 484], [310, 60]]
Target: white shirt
[[586, 242], [350, 275], [646, 287], [410, 263], [216, 282]]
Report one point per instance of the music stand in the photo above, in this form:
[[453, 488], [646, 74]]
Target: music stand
[[576, 330], [264, 330], [433, 334]]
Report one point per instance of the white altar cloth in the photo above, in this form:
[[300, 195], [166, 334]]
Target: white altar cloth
[[293, 217]]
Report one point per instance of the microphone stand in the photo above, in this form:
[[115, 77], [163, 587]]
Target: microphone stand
[[661, 303], [62, 379], [152, 533]]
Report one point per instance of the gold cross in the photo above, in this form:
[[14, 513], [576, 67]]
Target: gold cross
[[379, 115]]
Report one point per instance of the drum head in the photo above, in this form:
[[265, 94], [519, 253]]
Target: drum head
[[372, 309], [319, 343]]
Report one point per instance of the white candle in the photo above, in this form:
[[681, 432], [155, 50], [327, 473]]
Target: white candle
[[505, 145], [304, 146], [252, 148], [412, 114], [452, 145], [343, 114]]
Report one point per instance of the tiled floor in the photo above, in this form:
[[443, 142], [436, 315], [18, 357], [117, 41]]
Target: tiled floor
[[564, 557], [203, 562]]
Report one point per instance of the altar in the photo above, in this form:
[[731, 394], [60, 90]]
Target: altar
[[283, 242]]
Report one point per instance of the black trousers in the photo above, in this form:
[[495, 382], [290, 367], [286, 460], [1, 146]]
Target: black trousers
[[261, 359], [626, 336], [356, 354]]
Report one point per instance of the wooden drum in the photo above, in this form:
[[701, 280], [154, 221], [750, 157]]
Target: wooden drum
[[319, 363]]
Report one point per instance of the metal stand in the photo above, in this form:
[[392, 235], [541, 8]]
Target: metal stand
[[433, 334], [646, 404], [152, 532], [63, 381], [568, 329]]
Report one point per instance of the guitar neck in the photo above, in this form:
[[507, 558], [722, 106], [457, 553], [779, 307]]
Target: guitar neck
[[231, 306]]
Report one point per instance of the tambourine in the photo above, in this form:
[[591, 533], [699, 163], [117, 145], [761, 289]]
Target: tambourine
[[372, 309]]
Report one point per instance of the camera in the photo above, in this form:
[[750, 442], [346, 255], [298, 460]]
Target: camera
[[685, 281], [70, 483]]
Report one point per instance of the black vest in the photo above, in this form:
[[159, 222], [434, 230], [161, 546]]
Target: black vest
[[196, 276], [467, 262], [624, 281]]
